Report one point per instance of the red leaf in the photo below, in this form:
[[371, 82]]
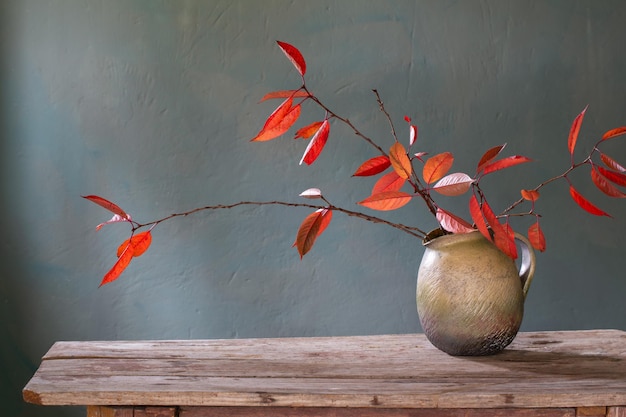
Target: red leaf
[[373, 166], [308, 131], [574, 130], [453, 223], [294, 56], [385, 201], [612, 163], [284, 94], [478, 218], [279, 121], [503, 237], [489, 156], [505, 163], [530, 195], [388, 182], [114, 208], [604, 185], [312, 227], [614, 132], [122, 262], [316, 144], [586, 204], [454, 184], [615, 177], [437, 166], [400, 161], [139, 244], [536, 237]]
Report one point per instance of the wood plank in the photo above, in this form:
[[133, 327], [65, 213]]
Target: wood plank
[[616, 411], [540, 369], [591, 412], [369, 412], [103, 411]]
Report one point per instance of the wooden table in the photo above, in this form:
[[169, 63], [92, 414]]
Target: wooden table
[[565, 374]]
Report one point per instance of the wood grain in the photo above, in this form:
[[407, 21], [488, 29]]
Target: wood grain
[[551, 370]]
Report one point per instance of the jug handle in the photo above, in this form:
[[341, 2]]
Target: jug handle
[[527, 267]]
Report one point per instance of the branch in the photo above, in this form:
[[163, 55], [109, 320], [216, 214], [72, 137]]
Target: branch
[[413, 231]]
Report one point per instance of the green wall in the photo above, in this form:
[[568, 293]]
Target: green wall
[[152, 104]]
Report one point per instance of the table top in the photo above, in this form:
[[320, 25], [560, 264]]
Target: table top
[[539, 369]]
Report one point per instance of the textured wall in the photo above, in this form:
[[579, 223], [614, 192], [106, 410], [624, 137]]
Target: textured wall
[[152, 103]]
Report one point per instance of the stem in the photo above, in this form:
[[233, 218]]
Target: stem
[[344, 121], [413, 231]]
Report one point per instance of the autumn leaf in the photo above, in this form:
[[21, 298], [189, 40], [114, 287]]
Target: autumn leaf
[[536, 237], [612, 163], [400, 161], [115, 219], [603, 184], [372, 166], [614, 132], [478, 218], [574, 130], [505, 163], [586, 204], [311, 193], [613, 176], [452, 223], [489, 156], [310, 229], [112, 207], [279, 121], [294, 56], [139, 244], [502, 237], [437, 166], [284, 94], [308, 130], [122, 262], [388, 182], [316, 144], [385, 201], [453, 184], [530, 195]]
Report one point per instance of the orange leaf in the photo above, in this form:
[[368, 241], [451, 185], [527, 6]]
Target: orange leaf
[[574, 130], [530, 195], [316, 144], [612, 163], [102, 202], [385, 201], [294, 56], [453, 223], [489, 156], [279, 121], [536, 237], [437, 166], [308, 131], [614, 132], [313, 225], [388, 182], [412, 134], [615, 177], [604, 185], [454, 184], [400, 161], [586, 204], [139, 242], [372, 166], [122, 262], [505, 163], [284, 94]]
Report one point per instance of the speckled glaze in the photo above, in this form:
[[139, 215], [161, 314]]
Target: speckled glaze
[[470, 296]]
